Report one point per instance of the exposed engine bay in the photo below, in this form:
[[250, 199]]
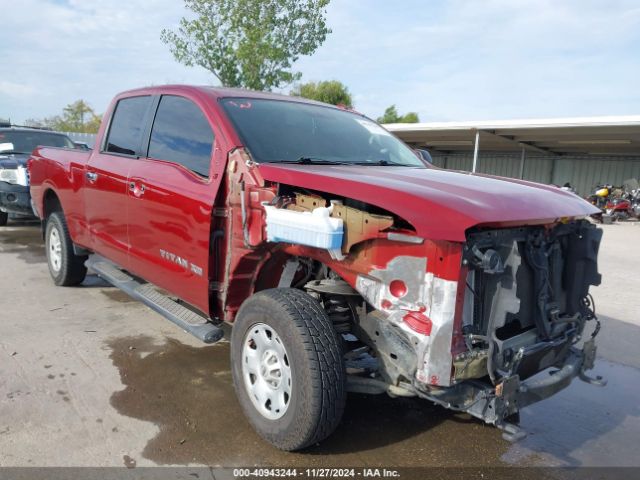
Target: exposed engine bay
[[527, 297]]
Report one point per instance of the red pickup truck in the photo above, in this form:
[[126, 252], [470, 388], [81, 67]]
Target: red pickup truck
[[342, 260]]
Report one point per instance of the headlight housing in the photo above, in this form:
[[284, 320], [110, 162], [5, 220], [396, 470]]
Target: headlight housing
[[14, 176], [9, 175]]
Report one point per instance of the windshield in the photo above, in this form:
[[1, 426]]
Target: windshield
[[281, 131], [25, 141]]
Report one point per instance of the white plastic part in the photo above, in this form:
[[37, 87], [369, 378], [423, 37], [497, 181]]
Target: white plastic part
[[315, 229]]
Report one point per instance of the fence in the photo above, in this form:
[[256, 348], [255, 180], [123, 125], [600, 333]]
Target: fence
[[88, 138]]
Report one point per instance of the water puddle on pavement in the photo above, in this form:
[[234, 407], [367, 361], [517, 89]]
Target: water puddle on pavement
[[25, 241], [584, 425], [188, 393]]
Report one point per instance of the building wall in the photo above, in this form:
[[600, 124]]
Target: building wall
[[583, 171]]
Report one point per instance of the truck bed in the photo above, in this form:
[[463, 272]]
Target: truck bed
[[59, 170]]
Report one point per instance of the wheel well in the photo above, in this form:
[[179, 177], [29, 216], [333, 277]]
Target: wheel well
[[50, 204], [270, 273]]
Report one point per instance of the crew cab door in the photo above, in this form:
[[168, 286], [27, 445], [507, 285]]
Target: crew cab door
[[171, 198], [106, 179]]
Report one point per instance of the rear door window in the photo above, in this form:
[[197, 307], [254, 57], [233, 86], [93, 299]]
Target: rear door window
[[127, 126], [182, 134]]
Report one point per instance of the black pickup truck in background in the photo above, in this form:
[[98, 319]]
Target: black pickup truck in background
[[16, 144]]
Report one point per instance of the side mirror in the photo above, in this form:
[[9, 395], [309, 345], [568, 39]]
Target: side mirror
[[424, 155]]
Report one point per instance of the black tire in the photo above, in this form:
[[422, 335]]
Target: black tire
[[4, 218], [68, 269], [318, 378]]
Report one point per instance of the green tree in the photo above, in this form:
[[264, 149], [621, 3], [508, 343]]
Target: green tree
[[249, 43], [76, 117], [329, 91], [391, 116]]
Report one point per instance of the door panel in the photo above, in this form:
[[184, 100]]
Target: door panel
[[105, 193], [170, 218], [106, 178], [171, 200]]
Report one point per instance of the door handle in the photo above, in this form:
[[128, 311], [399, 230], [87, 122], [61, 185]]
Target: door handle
[[137, 191], [91, 176]]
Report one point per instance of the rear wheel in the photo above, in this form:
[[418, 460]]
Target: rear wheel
[[287, 368], [66, 268], [4, 218]]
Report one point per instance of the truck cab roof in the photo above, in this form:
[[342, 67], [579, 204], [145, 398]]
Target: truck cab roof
[[216, 93]]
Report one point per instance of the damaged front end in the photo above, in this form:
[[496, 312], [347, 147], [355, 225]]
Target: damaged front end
[[524, 305], [506, 335]]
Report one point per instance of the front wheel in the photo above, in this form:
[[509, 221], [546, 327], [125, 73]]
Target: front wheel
[[66, 267], [4, 218], [288, 373]]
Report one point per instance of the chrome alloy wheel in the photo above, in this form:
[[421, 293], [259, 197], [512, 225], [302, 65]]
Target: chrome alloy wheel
[[55, 250], [266, 371]]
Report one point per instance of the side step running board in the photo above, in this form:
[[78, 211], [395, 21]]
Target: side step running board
[[195, 324]]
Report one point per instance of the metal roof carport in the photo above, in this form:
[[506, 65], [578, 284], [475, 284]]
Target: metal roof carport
[[583, 151]]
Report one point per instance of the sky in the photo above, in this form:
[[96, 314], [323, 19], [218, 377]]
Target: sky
[[448, 60]]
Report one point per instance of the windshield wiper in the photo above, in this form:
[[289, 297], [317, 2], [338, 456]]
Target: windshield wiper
[[312, 161], [384, 163]]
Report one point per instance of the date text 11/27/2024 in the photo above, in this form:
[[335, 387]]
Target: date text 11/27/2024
[[316, 472]]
